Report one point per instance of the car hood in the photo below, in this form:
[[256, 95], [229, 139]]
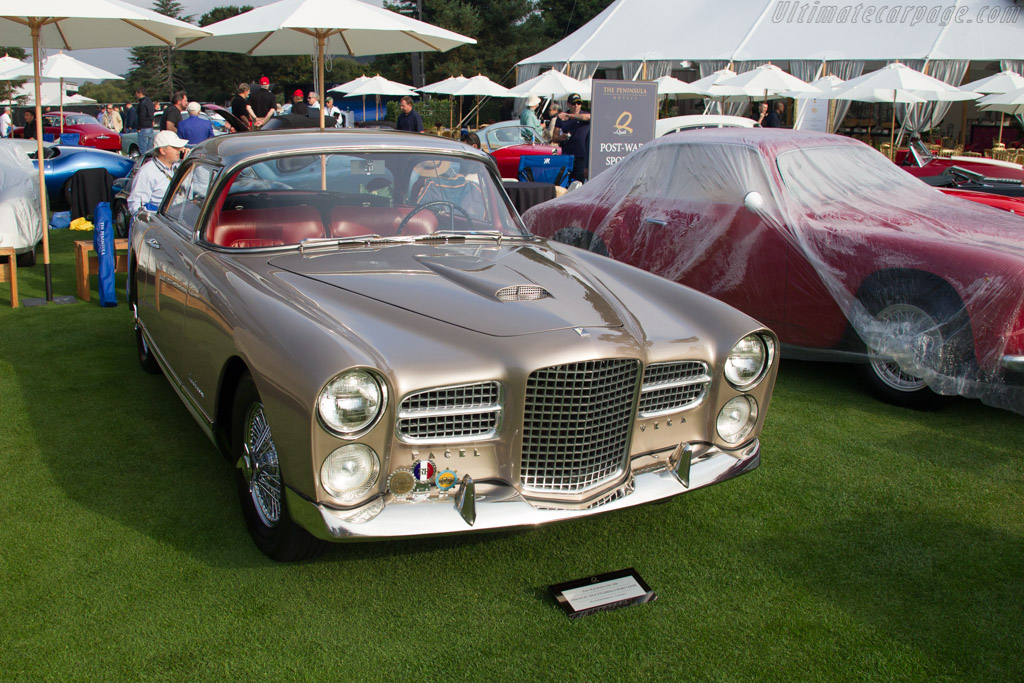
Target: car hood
[[459, 284]]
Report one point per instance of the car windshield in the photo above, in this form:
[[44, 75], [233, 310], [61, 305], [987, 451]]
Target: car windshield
[[504, 136], [824, 175], [285, 200], [79, 119]]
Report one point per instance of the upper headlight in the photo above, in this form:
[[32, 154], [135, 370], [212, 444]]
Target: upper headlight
[[747, 361], [351, 402]]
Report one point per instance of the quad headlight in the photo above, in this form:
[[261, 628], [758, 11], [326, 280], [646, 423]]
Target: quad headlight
[[350, 471], [351, 402], [736, 419], [748, 361]]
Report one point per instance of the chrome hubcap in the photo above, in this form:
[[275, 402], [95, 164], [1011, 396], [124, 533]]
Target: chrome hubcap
[[260, 467], [909, 331]]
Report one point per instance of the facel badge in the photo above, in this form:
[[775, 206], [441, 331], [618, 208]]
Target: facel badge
[[424, 471], [446, 480]]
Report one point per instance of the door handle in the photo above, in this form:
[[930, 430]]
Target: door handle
[[655, 221], [153, 243]]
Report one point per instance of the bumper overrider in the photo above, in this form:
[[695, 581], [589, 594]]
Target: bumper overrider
[[482, 507]]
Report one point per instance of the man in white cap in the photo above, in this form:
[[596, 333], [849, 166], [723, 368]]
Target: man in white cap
[[195, 128], [529, 119], [151, 183]]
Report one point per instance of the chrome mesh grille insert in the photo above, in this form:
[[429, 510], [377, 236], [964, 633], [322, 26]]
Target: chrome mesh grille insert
[[450, 414], [576, 425], [669, 387], [521, 293]]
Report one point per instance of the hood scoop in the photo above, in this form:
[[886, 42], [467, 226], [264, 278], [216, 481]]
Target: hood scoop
[[521, 293]]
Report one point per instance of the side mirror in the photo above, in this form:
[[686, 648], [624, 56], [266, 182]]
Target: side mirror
[[754, 202]]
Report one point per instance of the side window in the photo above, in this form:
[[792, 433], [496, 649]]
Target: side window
[[190, 194]]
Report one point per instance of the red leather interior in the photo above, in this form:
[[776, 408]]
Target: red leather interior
[[354, 221], [246, 228]]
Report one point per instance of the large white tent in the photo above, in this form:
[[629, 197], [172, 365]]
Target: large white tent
[[642, 33]]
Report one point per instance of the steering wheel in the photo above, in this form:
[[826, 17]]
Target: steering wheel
[[452, 208]]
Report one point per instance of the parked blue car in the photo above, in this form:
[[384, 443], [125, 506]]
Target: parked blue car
[[61, 162]]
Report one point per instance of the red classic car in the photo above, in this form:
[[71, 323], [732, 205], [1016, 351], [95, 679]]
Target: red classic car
[[828, 242], [91, 132], [507, 141], [917, 160]]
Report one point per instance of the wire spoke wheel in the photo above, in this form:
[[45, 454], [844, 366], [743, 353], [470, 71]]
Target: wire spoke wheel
[[262, 470], [912, 331]]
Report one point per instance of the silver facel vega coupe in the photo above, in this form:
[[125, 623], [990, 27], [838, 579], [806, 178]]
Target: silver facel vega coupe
[[360, 321]]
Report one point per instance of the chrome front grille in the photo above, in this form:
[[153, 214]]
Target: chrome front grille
[[670, 387], [451, 414], [576, 425]]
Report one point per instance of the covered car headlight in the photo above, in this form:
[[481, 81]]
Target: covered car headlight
[[748, 361], [351, 402], [350, 471], [736, 419]]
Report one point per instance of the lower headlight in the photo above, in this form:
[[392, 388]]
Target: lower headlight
[[736, 419], [351, 402], [350, 471]]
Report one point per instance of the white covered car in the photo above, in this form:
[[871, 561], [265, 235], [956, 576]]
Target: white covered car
[[20, 226]]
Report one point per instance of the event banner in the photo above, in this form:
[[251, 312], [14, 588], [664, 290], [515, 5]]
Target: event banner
[[622, 120]]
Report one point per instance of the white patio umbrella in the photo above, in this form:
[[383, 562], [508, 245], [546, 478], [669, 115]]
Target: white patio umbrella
[[1001, 83], [480, 86], [73, 24], [898, 83], [378, 86], [292, 27], [766, 80], [550, 83], [668, 85], [445, 87], [60, 66]]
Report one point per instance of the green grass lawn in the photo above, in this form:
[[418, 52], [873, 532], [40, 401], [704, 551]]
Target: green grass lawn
[[873, 543]]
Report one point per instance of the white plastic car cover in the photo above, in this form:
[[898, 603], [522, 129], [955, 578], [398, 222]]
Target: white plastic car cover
[[842, 253], [20, 226]]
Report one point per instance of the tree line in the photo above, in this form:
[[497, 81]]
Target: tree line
[[506, 32]]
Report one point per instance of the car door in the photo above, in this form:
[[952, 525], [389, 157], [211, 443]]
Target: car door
[[170, 250], [183, 208]]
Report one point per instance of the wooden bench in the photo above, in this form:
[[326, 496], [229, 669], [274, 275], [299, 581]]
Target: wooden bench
[[86, 264], [9, 272]]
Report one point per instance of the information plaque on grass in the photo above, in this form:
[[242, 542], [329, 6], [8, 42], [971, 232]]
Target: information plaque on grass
[[602, 592]]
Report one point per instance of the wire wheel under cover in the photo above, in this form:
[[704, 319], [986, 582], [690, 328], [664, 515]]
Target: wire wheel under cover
[[263, 472], [909, 330]]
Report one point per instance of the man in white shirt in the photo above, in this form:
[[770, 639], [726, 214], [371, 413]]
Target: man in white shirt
[[5, 123], [154, 177], [331, 110]]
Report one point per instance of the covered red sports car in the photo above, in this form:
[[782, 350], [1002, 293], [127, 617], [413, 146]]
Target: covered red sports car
[[827, 241]]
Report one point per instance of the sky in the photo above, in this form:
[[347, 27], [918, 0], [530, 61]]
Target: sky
[[116, 60]]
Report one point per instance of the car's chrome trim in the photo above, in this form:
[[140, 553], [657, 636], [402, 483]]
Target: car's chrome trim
[[438, 518], [1014, 363]]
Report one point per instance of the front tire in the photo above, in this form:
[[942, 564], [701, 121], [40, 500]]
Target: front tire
[[147, 361], [929, 321], [261, 488], [121, 219]]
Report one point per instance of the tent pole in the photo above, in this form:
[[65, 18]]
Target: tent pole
[[1002, 117], [892, 129]]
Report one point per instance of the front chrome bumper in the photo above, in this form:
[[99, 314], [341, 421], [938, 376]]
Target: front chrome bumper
[[399, 520]]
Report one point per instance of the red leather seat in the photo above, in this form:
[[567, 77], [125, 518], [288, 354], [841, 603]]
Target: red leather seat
[[247, 228], [353, 221]]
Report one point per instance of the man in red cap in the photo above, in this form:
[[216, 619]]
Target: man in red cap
[[263, 102], [297, 106]]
